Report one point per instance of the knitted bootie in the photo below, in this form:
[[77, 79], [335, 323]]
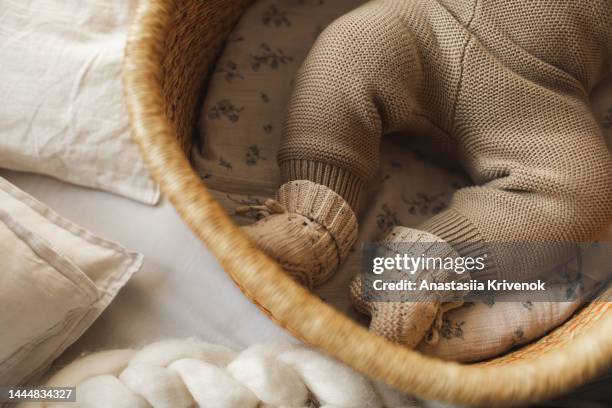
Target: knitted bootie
[[408, 317], [309, 230]]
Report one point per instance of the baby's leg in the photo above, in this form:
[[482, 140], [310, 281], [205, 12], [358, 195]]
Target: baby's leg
[[543, 170], [355, 85], [527, 136]]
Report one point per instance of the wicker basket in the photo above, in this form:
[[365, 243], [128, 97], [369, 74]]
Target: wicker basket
[[171, 49]]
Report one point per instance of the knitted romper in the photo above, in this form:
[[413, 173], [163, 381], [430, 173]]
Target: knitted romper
[[501, 87]]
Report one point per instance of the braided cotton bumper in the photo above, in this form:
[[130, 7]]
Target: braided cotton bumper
[[190, 373]]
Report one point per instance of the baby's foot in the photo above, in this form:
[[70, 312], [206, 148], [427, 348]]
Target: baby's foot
[[408, 317], [405, 323], [308, 229]]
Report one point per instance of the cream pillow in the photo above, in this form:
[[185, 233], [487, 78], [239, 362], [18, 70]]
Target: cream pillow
[[56, 280], [63, 113]]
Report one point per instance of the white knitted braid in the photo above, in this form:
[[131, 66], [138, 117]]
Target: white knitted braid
[[190, 373]]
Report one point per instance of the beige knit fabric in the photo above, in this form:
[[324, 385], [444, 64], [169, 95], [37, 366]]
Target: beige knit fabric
[[407, 319], [309, 231], [500, 86]]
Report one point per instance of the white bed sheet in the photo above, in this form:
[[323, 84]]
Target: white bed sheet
[[181, 290]]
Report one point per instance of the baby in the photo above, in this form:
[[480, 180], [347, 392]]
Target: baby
[[500, 87]]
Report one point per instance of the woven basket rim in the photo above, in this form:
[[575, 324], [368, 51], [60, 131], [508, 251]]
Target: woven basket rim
[[294, 308]]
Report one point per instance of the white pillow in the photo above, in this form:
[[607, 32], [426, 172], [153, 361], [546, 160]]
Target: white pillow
[[56, 280], [63, 112]]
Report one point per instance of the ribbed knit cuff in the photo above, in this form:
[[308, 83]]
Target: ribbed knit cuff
[[421, 244], [346, 184], [459, 232], [323, 206]]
